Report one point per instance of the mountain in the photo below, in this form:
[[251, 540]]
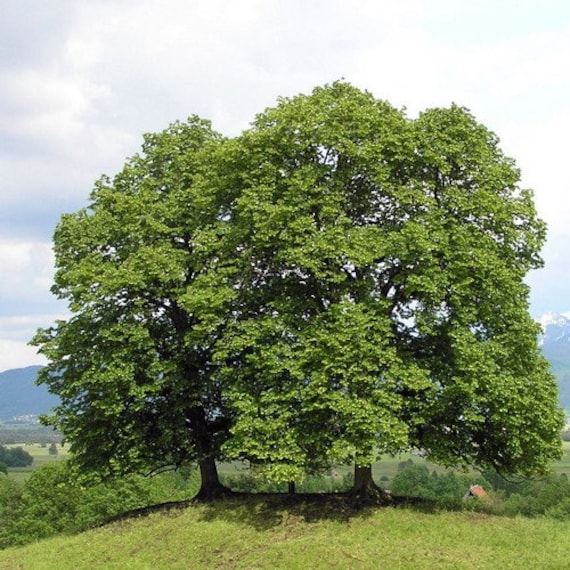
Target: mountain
[[20, 396], [556, 328], [555, 344]]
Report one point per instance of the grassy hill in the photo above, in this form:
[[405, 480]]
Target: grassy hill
[[231, 535]]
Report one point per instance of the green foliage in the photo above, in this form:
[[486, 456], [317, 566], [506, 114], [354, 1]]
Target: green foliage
[[54, 501], [10, 490], [15, 457], [250, 483], [560, 510], [132, 365], [549, 496], [380, 302], [413, 481], [447, 488], [47, 506], [337, 282]]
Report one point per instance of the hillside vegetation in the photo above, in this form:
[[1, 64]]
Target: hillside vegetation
[[231, 535]]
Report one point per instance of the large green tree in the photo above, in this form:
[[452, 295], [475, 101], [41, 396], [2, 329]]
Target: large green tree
[[336, 283], [132, 365], [379, 299]]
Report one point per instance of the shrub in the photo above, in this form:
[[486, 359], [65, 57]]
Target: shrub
[[55, 501], [447, 488], [47, 505], [248, 482], [413, 481], [560, 511], [10, 491]]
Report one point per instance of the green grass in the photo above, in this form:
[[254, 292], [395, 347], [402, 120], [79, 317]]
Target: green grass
[[231, 535]]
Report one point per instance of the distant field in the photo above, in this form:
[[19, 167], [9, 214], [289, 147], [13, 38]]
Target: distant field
[[387, 467], [41, 455], [383, 470]]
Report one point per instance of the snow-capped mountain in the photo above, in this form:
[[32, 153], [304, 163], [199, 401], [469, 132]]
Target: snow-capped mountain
[[555, 327], [555, 344]]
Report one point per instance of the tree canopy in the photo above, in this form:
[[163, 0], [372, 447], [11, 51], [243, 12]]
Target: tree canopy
[[336, 283], [132, 365]]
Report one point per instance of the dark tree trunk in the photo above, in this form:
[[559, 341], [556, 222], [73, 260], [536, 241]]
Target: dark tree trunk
[[291, 487], [364, 486], [363, 478], [210, 486]]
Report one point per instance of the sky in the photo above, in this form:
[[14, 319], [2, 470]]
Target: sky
[[82, 80]]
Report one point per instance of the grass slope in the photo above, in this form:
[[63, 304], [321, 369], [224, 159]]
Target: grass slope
[[232, 535]]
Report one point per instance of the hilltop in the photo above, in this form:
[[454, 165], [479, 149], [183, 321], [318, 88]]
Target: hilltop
[[236, 535]]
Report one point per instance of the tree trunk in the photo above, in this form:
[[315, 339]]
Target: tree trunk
[[210, 486], [364, 486], [363, 478]]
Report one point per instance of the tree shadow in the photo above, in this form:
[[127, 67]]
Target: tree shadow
[[264, 511]]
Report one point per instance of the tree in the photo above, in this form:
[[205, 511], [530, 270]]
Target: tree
[[15, 457], [495, 400], [132, 365], [336, 283], [310, 349], [379, 300]]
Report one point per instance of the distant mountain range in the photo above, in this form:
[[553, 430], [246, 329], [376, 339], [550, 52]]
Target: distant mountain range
[[20, 396], [555, 327], [555, 344]]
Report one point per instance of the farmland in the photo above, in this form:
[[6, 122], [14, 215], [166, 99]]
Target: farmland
[[384, 470]]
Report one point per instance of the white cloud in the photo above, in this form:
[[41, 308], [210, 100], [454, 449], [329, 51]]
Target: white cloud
[[26, 269], [15, 333], [15, 354], [19, 329], [541, 151]]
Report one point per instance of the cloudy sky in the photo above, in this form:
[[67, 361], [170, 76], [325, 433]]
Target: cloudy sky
[[82, 80]]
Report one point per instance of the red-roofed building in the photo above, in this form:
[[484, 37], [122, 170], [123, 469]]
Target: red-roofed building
[[475, 491]]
